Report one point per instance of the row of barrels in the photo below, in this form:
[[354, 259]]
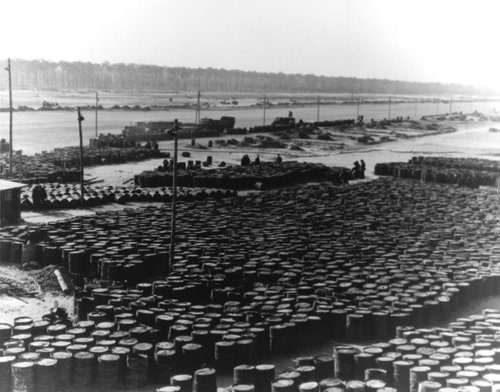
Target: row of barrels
[[61, 164], [461, 177], [476, 164], [463, 354], [61, 196], [269, 174]]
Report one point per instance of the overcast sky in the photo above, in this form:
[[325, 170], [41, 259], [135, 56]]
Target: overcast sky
[[421, 40]]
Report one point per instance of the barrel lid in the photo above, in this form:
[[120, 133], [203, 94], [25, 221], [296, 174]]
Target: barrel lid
[[23, 364], [265, 367], [244, 367], [83, 355], [61, 355], [283, 382], [46, 362], [109, 357], [183, 377], [205, 372], [169, 388], [7, 358], [243, 387], [375, 384]]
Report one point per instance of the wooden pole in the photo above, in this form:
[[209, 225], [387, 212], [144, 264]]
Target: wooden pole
[[197, 118], [80, 119], [96, 104], [317, 114], [357, 111], [389, 108], [264, 120], [10, 116], [174, 196]]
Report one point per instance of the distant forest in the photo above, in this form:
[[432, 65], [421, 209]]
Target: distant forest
[[65, 75]]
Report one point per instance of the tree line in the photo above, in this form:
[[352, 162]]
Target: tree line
[[64, 75]]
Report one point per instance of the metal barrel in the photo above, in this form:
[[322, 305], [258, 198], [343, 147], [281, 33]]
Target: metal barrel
[[63, 368], [417, 375], [283, 385], [169, 388], [243, 388], [401, 379], [108, 371], [355, 386], [136, 375], [345, 363], [324, 366], [331, 382], [244, 374], [374, 385], [185, 381], [46, 374], [307, 373], [23, 376], [363, 361], [375, 374], [429, 386], [5, 372], [225, 352], [309, 386], [192, 356], [83, 370], [166, 365], [205, 380], [264, 375]]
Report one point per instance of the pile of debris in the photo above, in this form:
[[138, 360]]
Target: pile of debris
[[53, 278]]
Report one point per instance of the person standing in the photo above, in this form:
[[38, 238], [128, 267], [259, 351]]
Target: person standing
[[362, 169]]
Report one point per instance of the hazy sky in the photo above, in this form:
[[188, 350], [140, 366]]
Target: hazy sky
[[421, 40]]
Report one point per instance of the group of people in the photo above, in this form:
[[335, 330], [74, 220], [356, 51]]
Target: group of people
[[358, 171], [245, 160], [38, 194]]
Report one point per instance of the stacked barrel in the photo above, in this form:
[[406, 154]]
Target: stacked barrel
[[62, 164], [469, 172], [240, 177], [63, 196]]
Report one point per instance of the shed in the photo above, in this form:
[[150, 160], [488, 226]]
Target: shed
[[10, 202]]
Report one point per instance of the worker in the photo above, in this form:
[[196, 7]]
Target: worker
[[355, 171], [362, 169], [35, 195], [245, 161], [257, 160], [279, 159]]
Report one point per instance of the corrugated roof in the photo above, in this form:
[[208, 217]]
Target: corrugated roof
[[6, 185]]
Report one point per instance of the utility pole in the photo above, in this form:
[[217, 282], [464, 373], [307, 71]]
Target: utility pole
[[80, 119], [317, 113], [265, 101], [357, 110], [389, 108], [96, 104], [8, 69], [174, 196], [197, 118]]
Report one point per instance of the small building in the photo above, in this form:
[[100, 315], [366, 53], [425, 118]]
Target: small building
[[10, 202]]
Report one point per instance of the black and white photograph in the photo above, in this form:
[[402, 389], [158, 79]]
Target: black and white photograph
[[250, 196]]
